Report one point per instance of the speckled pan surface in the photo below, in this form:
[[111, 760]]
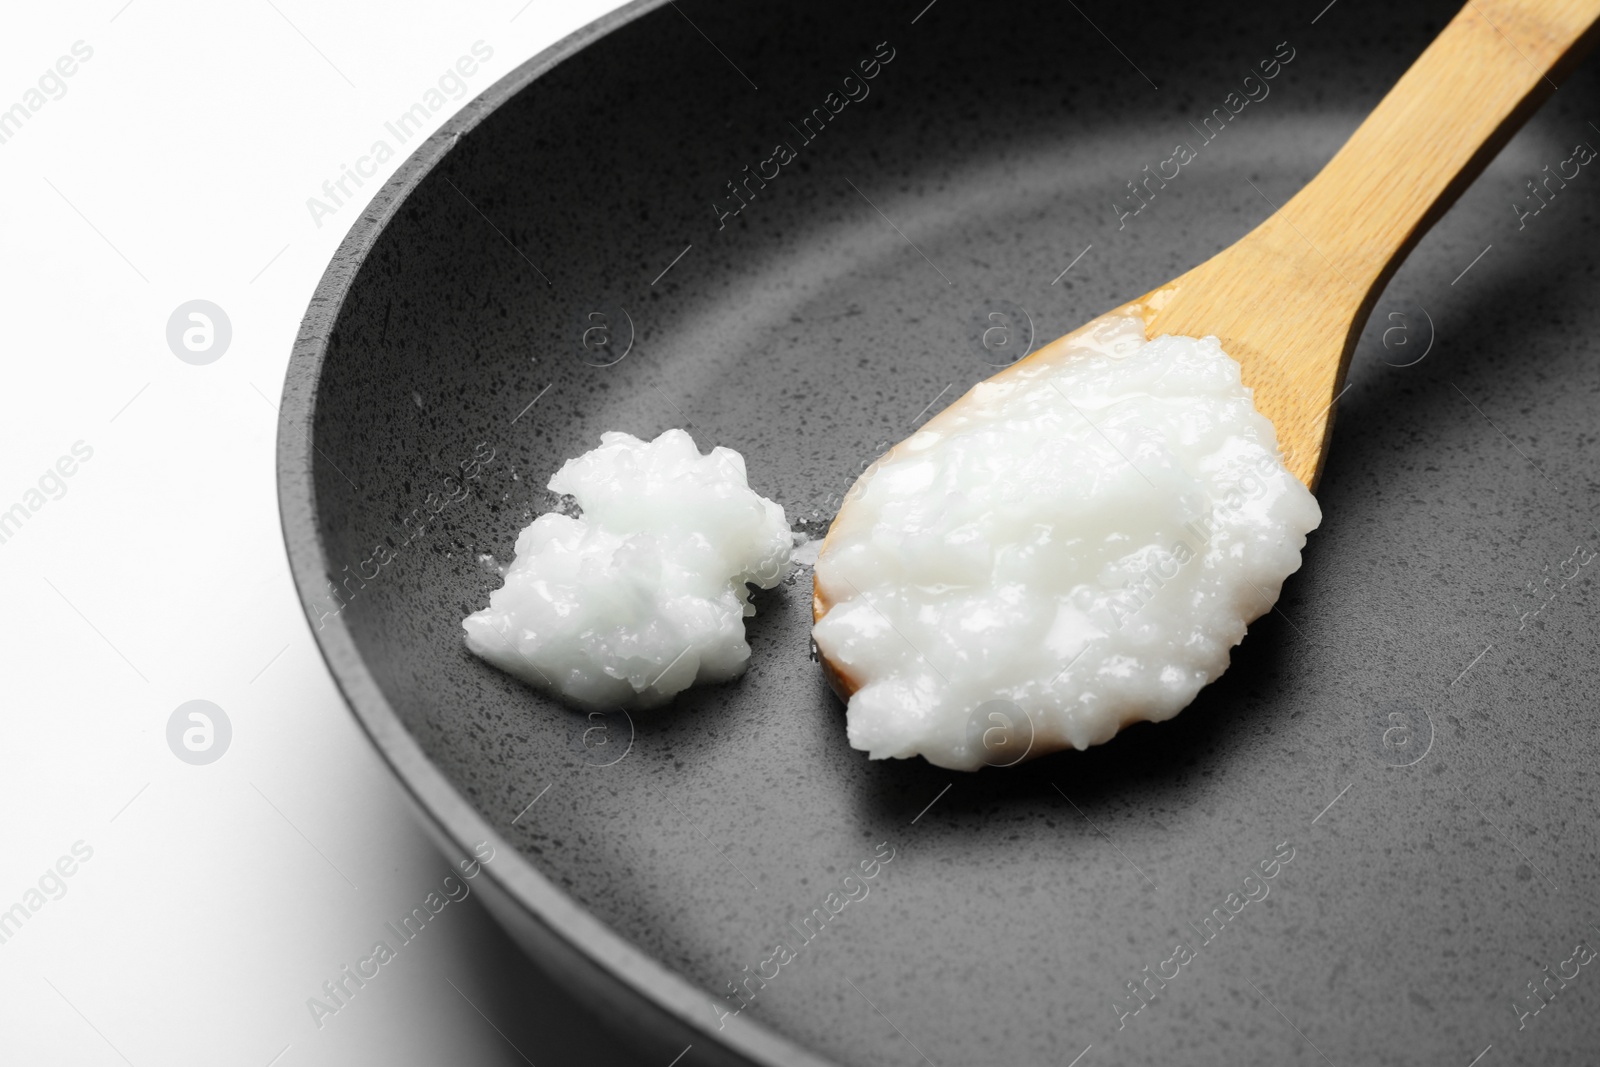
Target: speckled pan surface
[[1417, 724]]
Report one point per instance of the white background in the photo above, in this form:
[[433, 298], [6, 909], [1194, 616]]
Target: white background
[[218, 898]]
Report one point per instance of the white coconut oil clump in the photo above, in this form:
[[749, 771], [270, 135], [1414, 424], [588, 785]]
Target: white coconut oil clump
[[646, 593], [1081, 539]]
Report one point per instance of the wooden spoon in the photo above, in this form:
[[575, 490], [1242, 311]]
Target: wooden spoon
[[1290, 298]]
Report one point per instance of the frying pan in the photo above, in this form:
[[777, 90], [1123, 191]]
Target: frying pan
[[1414, 726]]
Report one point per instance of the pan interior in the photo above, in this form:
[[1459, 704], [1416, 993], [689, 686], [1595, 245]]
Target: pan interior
[[579, 263]]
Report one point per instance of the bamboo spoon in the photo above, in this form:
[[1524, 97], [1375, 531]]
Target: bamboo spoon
[[1290, 298]]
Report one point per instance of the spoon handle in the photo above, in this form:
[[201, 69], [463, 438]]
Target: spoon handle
[[1440, 125], [1289, 299]]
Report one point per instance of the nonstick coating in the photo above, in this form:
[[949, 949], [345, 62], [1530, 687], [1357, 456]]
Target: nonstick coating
[[833, 314]]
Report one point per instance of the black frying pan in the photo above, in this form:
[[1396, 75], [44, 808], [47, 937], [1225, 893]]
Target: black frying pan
[[1416, 724]]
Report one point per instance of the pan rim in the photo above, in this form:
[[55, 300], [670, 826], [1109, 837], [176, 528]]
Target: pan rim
[[438, 804]]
